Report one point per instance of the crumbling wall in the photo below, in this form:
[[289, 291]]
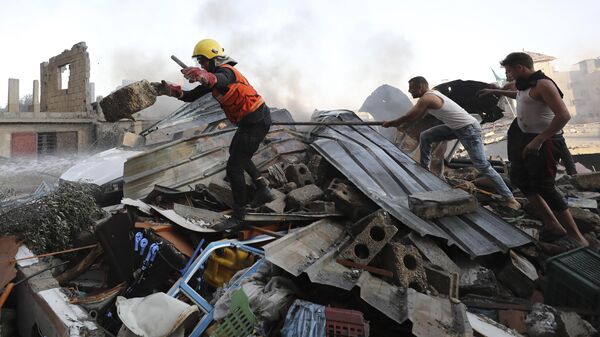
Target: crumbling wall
[[75, 96]]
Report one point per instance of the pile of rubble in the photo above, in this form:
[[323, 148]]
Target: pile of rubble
[[360, 241]]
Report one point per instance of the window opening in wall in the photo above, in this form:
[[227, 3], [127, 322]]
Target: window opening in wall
[[64, 73], [46, 143]]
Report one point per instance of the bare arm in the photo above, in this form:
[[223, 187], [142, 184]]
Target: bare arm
[[415, 113], [551, 97], [501, 92]]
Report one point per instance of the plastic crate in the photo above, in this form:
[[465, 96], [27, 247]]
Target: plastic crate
[[345, 323], [573, 279], [240, 320]]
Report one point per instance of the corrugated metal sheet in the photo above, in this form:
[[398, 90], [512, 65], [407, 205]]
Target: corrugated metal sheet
[[184, 163], [387, 175]]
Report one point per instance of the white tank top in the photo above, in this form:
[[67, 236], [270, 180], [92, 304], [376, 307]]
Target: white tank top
[[451, 114], [532, 116]]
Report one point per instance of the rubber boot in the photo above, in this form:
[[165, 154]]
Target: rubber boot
[[263, 193]]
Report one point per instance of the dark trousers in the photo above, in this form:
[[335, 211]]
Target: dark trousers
[[535, 174], [245, 142]]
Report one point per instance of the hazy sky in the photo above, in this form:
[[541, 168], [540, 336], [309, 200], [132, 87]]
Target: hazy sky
[[299, 54]]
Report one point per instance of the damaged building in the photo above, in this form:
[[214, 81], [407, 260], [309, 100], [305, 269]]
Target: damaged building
[[60, 118]]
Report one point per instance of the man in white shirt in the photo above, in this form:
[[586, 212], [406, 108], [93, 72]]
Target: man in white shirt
[[458, 124]]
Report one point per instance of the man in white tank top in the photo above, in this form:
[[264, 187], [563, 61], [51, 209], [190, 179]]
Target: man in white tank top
[[458, 124], [534, 143]]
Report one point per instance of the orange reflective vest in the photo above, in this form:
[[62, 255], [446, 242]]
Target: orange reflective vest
[[240, 99]]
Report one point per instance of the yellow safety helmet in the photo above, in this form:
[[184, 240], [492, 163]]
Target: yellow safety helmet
[[208, 48]]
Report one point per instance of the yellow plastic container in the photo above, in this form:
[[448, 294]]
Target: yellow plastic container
[[224, 263]]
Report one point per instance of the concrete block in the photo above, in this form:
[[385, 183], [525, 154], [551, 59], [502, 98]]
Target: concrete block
[[476, 279], [349, 200], [288, 187], [320, 206], [588, 181], [406, 264], [13, 95], [572, 325], [585, 219], [437, 204], [221, 190], [320, 169], [444, 282], [519, 275], [128, 100], [302, 196], [376, 230], [277, 205], [299, 174]]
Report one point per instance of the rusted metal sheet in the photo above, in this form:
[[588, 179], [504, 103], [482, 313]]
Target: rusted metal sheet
[[184, 163], [387, 176]]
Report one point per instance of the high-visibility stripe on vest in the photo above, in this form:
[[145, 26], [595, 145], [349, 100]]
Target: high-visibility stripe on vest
[[240, 99]]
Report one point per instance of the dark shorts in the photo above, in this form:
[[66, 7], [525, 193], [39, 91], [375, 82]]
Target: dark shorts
[[535, 174]]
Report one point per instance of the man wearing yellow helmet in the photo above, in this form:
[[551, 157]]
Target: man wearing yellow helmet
[[242, 105]]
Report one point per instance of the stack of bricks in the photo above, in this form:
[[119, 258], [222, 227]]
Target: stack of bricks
[[74, 98]]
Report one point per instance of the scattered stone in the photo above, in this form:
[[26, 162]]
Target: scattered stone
[[221, 191], [572, 325], [349, 200], [437, 204], [464, 173], [541, 322], [298, 198], [128, 100], [300, 174], [478, 280], [588, 181], [585, 219], [277, 205], [320, 206], [288, 187], [519, 275]]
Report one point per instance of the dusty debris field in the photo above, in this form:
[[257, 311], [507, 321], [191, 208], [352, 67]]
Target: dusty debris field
[[340, 251]]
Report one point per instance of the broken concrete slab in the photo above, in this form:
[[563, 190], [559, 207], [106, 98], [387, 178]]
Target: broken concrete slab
[[299, 173], [348, 199], [377, 229], [277, 205], [476, 279], [221, 190], [586, 220], [519, 275], [433, 252], [438, 204], [436, 316], [128, 100], [302, 196], [320, 206], [485, 326], [572, 325], [320, 169], [583, 203], [588, 181], [446, 283], [406, 264]]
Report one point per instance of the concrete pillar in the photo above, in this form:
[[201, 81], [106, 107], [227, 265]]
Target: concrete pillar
[[13, 95], [92, 92], [36, 96]]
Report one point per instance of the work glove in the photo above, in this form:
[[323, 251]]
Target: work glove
[[195, 74], [165, 88]]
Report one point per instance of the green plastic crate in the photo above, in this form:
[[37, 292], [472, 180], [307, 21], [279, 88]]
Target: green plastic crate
[[240, 321], [573, 279]]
